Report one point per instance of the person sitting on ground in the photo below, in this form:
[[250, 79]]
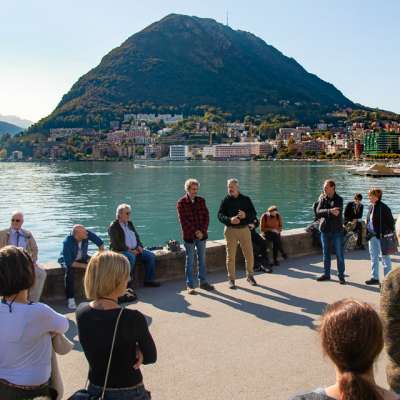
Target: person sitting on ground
[[26, 331], [125, 239], [75, 255], [16, 236], [261, 259], [379, 222], [351, 336], [105, 282], [353, 213], [271, 228]]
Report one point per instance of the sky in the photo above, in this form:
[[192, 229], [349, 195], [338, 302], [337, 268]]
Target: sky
[[47, 45]]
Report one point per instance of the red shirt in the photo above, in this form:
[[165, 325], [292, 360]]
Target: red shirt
[[193, 216]]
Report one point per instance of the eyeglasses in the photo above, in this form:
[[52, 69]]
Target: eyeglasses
[[15, 220]]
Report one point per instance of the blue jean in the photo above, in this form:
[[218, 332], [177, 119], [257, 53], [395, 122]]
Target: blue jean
[[139, 393], [198, 246], [375, 251], [337, 239], [149, 260]]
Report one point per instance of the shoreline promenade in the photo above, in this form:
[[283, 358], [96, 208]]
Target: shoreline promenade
[[254, 343]]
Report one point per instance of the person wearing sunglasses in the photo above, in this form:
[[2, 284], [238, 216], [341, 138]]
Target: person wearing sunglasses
[[15, 235], [125, 239]]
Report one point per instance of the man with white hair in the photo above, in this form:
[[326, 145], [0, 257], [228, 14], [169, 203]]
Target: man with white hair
[[237, 212], [194, 218], [75, 255], [16, 236], [125, 239]]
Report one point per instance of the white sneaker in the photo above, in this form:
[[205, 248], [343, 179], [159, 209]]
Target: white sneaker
[[71, 304]]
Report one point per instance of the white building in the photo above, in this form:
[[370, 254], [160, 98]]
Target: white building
[[17, 155], [178, 152]]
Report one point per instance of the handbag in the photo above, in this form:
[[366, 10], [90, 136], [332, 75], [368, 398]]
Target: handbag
[[83, 394], [389, 244]]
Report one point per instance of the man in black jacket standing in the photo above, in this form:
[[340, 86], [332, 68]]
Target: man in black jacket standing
[[237, 212], [329, 211]]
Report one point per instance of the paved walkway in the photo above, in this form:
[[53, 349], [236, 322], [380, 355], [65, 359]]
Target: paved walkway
[[253, 343]]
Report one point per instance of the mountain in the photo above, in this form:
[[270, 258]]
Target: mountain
[[186, 64], [13, 119], [12, 129]]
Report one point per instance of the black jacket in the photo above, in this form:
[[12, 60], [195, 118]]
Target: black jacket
[[230, 207], [382, 219], [117, 236], [329, 223], [350, 212]]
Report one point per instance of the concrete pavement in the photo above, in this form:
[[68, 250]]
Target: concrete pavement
[[253, 343]]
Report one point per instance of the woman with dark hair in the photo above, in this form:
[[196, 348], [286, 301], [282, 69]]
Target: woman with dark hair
[[271, 227], [380, 222], [352, 337], [26, 330]]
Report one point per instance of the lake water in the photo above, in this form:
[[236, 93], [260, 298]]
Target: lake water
[[56, 196]]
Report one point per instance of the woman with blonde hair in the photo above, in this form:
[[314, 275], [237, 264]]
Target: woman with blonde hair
[[352, 337], [115, 341]]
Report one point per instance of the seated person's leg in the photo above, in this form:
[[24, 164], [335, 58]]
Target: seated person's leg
[[36, 291], [132, 261], [149, 261]]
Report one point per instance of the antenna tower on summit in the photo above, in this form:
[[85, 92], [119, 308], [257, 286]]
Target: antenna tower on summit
[[227, 18]]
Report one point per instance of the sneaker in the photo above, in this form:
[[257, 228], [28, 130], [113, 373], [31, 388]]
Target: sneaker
[[71, 304], [206, 286], [252, 281], [267, 269], [190, 290], [372, 281], [232, 284], [342, 281], [323, 278]]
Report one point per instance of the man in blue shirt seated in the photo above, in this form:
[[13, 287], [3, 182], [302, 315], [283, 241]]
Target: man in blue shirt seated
[[75, 255], [125, 239]]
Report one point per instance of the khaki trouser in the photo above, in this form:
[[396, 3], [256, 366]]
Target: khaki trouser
[[232, 237], [35, 292]]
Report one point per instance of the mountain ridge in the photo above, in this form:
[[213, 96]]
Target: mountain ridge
[[184, 64]]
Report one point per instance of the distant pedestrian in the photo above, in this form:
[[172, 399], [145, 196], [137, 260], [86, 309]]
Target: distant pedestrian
[[194, 219], [353, 214], [75, 255], [380, 222], [271, 228], [15, 235], [352, 337], [329, 212], [236, 212]]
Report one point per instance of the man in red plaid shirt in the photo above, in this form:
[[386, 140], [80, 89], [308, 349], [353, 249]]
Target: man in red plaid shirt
[[194, 218]]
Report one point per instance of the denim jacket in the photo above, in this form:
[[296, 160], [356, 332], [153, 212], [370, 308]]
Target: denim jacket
[[70, 248]]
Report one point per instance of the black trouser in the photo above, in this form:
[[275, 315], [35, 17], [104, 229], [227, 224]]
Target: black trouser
[[69, 280], [276, 240], [259, 248]]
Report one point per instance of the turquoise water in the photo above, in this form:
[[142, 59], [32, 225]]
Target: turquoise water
[[56, 196]]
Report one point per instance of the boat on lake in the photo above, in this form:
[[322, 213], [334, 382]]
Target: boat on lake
[[376, 171]]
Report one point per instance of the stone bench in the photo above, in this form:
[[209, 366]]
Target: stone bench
[[170, 266]]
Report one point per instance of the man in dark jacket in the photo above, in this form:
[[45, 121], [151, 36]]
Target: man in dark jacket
[[353, 213], [194, 218], [75, 255], [236, 212], [379, 222], [125, 239], [329, 211]]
